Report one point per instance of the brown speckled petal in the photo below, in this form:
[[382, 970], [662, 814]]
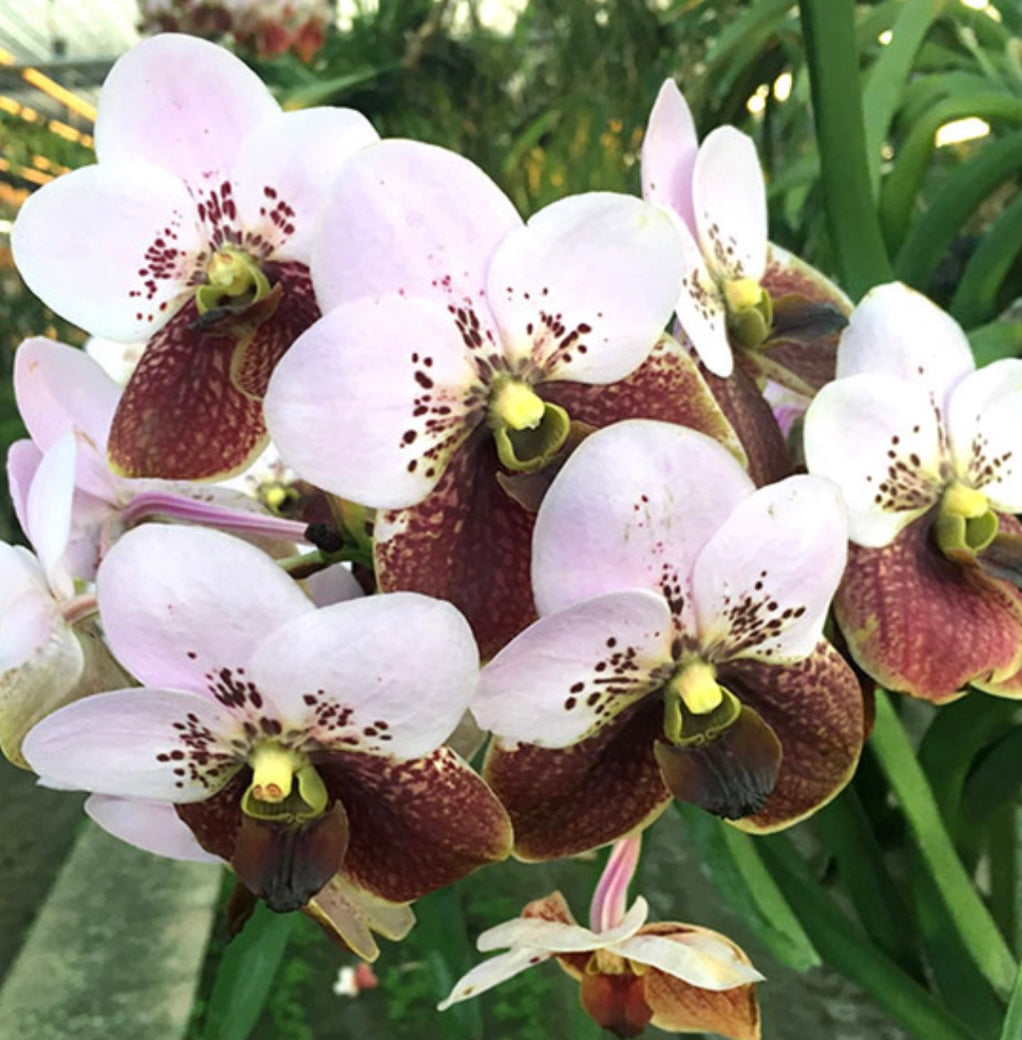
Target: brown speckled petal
[[923, 625], [566, 800]]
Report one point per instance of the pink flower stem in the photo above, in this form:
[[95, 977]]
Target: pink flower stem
[[611, 896]]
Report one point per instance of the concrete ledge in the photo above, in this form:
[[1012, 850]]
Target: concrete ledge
[[116, 950]]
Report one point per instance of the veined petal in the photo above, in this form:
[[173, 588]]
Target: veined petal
[[351, 915], [374, 399], [899, 332], [181, 103], [729, 199], [163, 745], [492, 973], [815, 708], [284, 168], [573, 672], [922, 624], [422, 221], [698, 959], [112, 249], [386, 675], [669, 153], [631, 508], [877, 438], [984, 425], [179, 603], [763, 582], [567, 800], [152, 826], [562, 937], [49, 512], [584, 290], [416, 825], [701, 309]]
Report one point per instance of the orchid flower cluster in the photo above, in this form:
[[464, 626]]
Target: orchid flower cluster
[[542, 446]]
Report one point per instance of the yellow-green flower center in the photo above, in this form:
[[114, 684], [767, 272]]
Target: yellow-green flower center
[[696, 684], [285, 785], [749, 311], [961, 500], [696, 707], [232, 277], [527, 430], [965, 522]]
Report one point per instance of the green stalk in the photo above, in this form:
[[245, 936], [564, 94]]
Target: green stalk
[[1012, 1029], [828, 27], [854, 956], [975, 299], [963, 905]]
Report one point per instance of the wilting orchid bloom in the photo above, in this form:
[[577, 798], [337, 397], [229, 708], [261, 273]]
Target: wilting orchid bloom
[[738, 289], [192, 232], [61, 390], [677, 977], [679, 648], [466, 353], [925, 450], [296, 742]]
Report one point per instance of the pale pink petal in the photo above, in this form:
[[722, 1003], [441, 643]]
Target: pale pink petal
[[373, 399], [492, 973], [610, 899], [410, 218], [23, 459], [558, 937], [584, 290], [152, 826], [27, 608], [699, 960], [631, 508], [334, 584], [573, 672], [93, 520], [181, 103], [285, 168], [388, 675], [984, 425], [702, 311], [729, 199], [49, 512], [143, 743], [897, 331], [764, 581], [110, 248], [180, 603], [669, 153], [877, 437]]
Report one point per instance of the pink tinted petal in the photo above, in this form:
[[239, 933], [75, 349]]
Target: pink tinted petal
[[585, 289], [402, 667], [984, 425], [23, 459], [492, 973], [335, 584], [573, 672], [180, 602], [898, 331], [27, 608], [49, 512], [181, 103], [93, 522], [877, 438], [669, 153], [284, 169], [111, 249], [631, 508], [152, 826], [611, 896], [701, 310], [371, 402], [729, 199], [143, 743], [764, 581], [421, 221]]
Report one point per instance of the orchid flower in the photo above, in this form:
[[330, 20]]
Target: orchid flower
[[296, 742], [466, 353], [924, 448], [677, 977], [679, 649], [737, 289], [192, 232]]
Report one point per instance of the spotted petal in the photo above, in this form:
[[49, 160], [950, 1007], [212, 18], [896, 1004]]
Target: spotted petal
[[669, 153], [631, 508], [702, 310], [583, 291], [374, 399], [181, 103], [163, 745], [152, 826], [539, 933], [984, 426], [180, 602], [764, 581], [492, 973], [402, 667], [573, 672], [877, 437], [111, 248], [898, 331]]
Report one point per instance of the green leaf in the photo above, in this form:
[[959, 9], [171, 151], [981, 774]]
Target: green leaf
[[243, 978], [975, 299], [330, 89], [1012, 1028], [999, 339]]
